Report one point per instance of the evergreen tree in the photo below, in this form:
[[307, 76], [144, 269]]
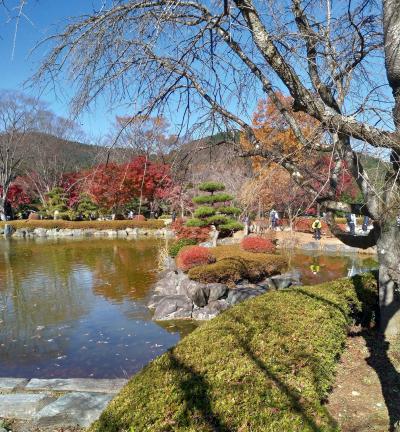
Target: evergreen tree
[[215, 209]]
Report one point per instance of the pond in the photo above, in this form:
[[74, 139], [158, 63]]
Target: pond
[[77, 308]]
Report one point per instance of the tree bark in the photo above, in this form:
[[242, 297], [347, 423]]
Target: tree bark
[[388, 246]]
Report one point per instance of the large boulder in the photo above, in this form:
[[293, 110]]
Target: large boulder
[[170, 282], [285, 280], [238, 295], [210, 311], [196, 291], [173, 307], [216, 291]]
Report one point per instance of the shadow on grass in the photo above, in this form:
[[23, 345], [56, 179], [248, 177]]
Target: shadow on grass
[[195, 392], [379, 359]]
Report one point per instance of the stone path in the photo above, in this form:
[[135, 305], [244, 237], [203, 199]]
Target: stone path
[[56, 402]]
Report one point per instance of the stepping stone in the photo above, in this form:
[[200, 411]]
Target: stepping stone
[[72, 409], [23, 406], [11, 383], [111, 386]]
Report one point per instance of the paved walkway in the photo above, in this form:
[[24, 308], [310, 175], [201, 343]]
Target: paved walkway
[[56, 402]]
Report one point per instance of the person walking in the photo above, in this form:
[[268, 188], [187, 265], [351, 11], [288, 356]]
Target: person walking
[[365, 224], [351, 222], [316, 226], [174, 216], [274, 219]]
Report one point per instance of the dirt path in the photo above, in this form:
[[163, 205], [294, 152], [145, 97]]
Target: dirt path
[[366, 395]]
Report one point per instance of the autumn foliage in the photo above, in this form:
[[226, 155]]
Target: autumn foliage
[[192, 256], [257, 245], [199, 234]]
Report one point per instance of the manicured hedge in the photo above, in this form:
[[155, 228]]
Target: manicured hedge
[[234, 264], [192, 256], [258, 245], [264, 365], [98, 225]]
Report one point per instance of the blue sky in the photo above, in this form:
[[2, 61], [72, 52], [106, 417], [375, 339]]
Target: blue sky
[[43, 18]]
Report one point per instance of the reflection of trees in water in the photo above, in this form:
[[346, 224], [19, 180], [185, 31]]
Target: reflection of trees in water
[[40, 290], [49, 283], [126, 271]]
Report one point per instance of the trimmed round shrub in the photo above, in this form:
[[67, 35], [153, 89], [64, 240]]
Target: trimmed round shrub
[[257, 245], [211, 186], [231, 226], [177, 245], [218, 220], [193, 256], [229, 210], [204, 211], [195, 222], [139, 218]]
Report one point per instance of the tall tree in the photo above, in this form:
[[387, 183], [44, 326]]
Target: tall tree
[[17, 118], [209, 62]]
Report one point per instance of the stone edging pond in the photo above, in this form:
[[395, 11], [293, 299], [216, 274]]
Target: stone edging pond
[[56, 402], [89, 232], [178, 297]]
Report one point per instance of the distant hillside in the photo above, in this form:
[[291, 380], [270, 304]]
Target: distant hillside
[[211, 158], [71, 155]]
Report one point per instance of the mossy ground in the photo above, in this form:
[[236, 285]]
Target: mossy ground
[[234, 264], [264, 365]]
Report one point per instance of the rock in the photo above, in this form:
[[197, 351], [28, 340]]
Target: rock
[[196, 291], [285, 280], [154, 301], [10, 384], [22, 406], [3, 429], [173, 307], [210, 311], [238, 295], [170, 283], [77, 385], [216, 291], [80, 409], [40, 232], [8, 230], [122, 233]]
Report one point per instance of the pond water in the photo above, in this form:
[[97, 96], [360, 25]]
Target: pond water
[[77, 308]]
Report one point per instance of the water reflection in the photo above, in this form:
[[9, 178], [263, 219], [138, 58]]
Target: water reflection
[[315, 268], [78, 308]]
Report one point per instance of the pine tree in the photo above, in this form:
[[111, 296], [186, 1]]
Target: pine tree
[[215, 209]]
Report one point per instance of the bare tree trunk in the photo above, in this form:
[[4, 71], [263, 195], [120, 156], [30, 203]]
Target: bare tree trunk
[[142, 187], [3, 215], [389, 279]]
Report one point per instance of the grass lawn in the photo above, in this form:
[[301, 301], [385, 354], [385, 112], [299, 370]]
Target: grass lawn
[[264, 365]]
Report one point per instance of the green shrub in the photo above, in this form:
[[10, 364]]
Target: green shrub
[[212, 199], [265, 365], [177, 245], [211, 186], [231, 226], [218, 220], [233, 269], [204, 211], [195, 222], [229, 210]]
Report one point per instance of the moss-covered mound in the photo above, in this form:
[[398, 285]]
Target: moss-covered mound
[[234, 264], [263, 365]]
